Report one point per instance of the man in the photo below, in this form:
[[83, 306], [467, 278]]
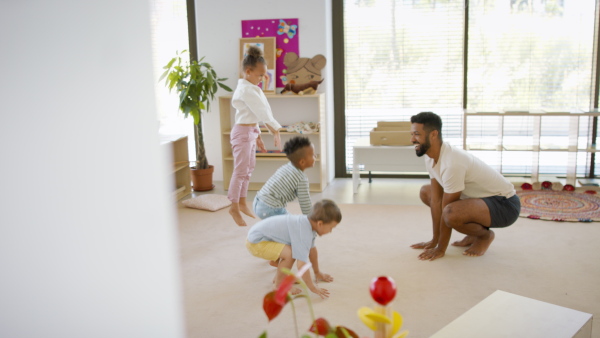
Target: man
[[465, 194]]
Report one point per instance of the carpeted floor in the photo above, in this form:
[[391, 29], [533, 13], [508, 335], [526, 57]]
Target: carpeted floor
[[553, 262]]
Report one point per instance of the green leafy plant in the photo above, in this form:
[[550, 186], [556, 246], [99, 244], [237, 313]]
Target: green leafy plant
[[196, 83]]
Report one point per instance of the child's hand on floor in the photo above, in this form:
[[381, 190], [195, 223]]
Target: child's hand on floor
[[323, 277], [324, 293]]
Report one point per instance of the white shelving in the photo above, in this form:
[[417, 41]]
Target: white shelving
[[533, 139], [177, 146], [287, 110]]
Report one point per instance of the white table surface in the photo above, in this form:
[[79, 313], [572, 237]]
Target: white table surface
[[503, 314]]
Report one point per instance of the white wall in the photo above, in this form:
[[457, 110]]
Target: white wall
[[219, 29], [87, 228]]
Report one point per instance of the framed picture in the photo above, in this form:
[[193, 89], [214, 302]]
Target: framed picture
[[286, 33], [267, 45]]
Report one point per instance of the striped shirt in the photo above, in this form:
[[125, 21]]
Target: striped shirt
[[284, 186]]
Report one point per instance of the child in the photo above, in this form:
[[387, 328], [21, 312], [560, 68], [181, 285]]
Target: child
[[287, 238], [251, 107], [285, 185], [288, 182]]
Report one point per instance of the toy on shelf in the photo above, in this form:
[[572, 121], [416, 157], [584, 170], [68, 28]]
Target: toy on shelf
[[304, 127], [275, 153], [303, 75], [302, 88], [382, 319]]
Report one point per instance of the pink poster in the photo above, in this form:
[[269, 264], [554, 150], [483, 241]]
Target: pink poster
[[285, 32]]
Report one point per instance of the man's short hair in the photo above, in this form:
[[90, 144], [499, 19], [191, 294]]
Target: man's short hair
[[429, 120], [326, 211], [294, 148]]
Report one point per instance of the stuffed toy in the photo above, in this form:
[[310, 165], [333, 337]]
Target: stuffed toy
[[301, 89], [303, 71]]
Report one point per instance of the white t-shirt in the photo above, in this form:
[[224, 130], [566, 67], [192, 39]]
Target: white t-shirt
[[458, 170], [251, 105], [292, 230]]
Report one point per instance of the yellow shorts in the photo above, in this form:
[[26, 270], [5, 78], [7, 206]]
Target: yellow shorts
[[266, 250]]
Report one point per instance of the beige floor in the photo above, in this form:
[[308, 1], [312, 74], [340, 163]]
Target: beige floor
[[558, 263]]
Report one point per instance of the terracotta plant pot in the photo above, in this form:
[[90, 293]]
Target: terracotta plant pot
[[202, 178]]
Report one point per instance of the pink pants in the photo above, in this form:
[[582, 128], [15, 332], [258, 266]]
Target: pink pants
[[243, 143]]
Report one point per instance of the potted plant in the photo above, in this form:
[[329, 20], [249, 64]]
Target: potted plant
[[196, 83]]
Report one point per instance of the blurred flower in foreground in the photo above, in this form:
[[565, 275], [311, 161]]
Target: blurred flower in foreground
[[382, 319], [274, 302]]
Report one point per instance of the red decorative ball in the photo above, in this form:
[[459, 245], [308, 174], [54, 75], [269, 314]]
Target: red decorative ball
[[547, 185], [383, 289], [526, 186], [569, 187], [591, 192]]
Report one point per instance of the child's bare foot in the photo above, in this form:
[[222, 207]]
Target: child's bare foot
[[237, 217], [424, 245], [480, 245], [274, 263], [244, 208], [323, 277], [467, 241]]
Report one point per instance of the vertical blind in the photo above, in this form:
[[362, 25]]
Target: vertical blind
[[402, 57], [406, 56]]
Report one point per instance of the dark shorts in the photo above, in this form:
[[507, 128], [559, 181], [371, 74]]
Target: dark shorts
[[503, 211]]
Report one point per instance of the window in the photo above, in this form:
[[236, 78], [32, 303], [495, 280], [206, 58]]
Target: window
[[407, 56], [169, 35], [402, 57]]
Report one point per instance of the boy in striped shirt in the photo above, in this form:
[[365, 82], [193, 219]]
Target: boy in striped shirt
[[285, 185]]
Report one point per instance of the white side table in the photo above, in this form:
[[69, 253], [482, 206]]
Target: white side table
[[504, 314], [384, 158]]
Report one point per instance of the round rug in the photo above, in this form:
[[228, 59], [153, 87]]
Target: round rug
[[562, 206]]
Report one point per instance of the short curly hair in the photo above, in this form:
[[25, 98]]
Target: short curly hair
[[294, 148]]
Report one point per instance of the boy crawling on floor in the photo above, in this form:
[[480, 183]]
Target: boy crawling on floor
[[287, 238]]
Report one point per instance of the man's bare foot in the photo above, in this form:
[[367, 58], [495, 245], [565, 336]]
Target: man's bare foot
[[424, 245], [237, 217], [480, 245], [244, 208], [323, 277], [467, 241]]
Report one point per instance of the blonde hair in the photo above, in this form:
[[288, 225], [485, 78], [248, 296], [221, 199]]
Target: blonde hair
[[253, 57], [326, 211]]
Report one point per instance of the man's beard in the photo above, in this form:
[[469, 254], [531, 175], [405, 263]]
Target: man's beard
[[423, 147]]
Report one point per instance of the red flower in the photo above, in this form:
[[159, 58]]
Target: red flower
[[271, 307], [283, 289], [526, 186], [383, 289], [342, 333], [569, 187], [320, 327], [547, 185]]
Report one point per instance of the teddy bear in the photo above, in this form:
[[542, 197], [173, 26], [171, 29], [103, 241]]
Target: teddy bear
[[303, 74]]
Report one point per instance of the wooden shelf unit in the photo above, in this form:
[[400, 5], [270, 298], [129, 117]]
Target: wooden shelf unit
[[287, 110], [534, 143], [178, 148]]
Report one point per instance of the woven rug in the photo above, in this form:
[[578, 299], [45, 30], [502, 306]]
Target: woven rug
[[561, 206]]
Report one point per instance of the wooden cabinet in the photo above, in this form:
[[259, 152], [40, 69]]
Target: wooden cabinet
[[177, 147], [287, 110], [560, 136]]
